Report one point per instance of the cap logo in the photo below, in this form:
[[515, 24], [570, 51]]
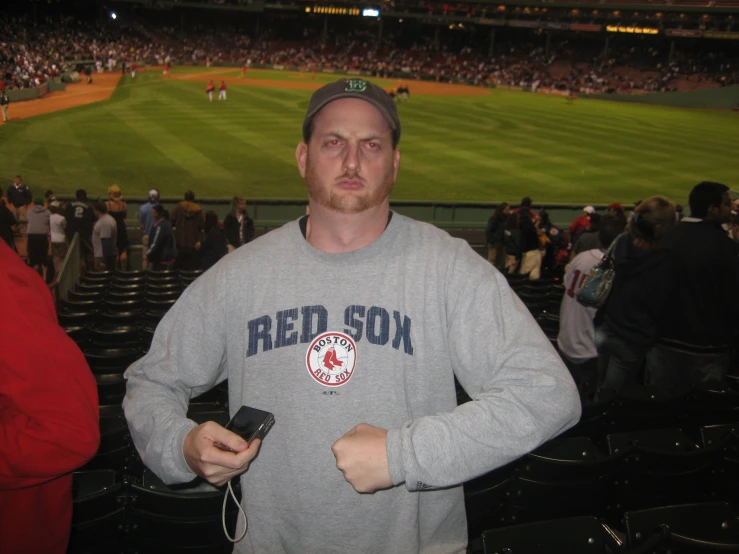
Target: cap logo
[[355, 85]]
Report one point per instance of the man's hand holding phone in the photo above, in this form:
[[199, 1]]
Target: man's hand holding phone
[[216, 464]]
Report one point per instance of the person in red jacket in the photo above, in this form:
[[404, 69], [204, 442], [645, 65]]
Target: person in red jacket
[[209, 89], [222, 91], [48, 415], [581, 224]]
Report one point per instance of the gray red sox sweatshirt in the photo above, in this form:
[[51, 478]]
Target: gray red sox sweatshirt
[[328, 341]]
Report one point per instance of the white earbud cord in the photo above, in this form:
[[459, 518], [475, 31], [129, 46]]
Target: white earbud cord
[[223, 514]]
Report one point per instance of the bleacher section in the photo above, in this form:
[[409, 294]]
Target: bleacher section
[[638, 473]]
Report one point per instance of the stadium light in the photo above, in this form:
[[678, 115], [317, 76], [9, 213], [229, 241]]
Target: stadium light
[[113, 15], [370, 12]]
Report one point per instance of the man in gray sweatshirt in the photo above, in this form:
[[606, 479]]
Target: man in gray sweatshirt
[[350, 325]]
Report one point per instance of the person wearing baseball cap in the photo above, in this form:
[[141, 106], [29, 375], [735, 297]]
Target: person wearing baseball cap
[[349, 325], [617, 210], [580, 224]]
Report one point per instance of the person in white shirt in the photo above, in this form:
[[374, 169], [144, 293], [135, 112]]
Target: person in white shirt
[[576, 340], [57, 226]]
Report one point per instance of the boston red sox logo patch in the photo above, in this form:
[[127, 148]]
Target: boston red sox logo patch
[[331, 359]]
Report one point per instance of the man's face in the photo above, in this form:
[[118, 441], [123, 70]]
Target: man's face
[[240, 207], [722, 212], [350, 164], [17, 181]]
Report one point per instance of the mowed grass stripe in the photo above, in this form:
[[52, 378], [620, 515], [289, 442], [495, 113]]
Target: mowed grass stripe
[[153, 135]]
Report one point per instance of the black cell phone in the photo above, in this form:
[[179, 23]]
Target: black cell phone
[[249, 424]]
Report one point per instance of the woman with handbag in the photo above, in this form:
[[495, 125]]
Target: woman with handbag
[[626, 324]]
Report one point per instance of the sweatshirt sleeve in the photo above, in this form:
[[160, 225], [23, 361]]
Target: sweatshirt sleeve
[[48, 397], [522, 394], [187, 357]]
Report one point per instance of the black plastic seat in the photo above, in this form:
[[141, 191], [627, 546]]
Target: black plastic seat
[[98, 515], [695, 528], [79, 334], [565, 477], [128, 305], [579, 535], [164, 287], [186, 515], [106, 336], [133, 317], [81, 296], [120, 274], [118, 294], [79, 305], [111, 388], [98, 288], [76, 319], [111, 360], [166, 295], [662, 467], [486, 499], [151, 304]]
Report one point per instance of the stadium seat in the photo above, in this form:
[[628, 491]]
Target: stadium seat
[[638, 408], [165, 295], [152, 304], [121, 318], [111, 388], [134, 280], [98, 515], [164, 287], [486, 500], [663, 466], [79, 334], [563, 478], [191, 275], [86, 280], [725, 437], [118, 294], [120, 274], [77, 296], [179, 516], [75, 319], [100, 288], [578, 535], [694, 528], [111, 360], [106, 336], [98, 275], [705, 406], [128, 305], [79, 305]]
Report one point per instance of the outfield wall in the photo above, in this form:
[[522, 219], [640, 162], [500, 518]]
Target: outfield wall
[[272, 213], [724, 98]]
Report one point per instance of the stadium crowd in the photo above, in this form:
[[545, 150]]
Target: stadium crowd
[[31, 55]]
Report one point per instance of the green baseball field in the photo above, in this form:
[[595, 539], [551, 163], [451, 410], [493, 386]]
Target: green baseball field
[[458, 144]]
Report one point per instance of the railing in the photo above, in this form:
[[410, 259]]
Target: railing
[[70, 272]]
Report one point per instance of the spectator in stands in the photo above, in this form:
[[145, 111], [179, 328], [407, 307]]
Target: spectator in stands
[[188, 221], [494, 235], [7, 223], [214, 246], [581, 224], [146, 219], [617, 210], [576, 340], [531, 254], [590, 239], [49, 197], [57, 226], [162, 250], [118, 210], [19, 197], [49, 417], [512, 242], [555, 242], [4, 105], [699, 328], [626, 326], [330, 281], [38, 235], [238, 225], [104, 238], [80, 219]]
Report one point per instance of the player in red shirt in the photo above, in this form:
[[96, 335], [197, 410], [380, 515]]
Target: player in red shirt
[[165, 73], [48, 415], [133, 69], [243, 71], [209, 89], [222, 91]]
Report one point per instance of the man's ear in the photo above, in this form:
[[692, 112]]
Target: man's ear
[[301, 155], [396, 164]]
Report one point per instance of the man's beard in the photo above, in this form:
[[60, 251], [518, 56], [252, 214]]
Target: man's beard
[[347, 203]]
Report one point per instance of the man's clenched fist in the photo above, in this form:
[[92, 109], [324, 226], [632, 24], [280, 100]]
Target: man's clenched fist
[[361, 455]]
